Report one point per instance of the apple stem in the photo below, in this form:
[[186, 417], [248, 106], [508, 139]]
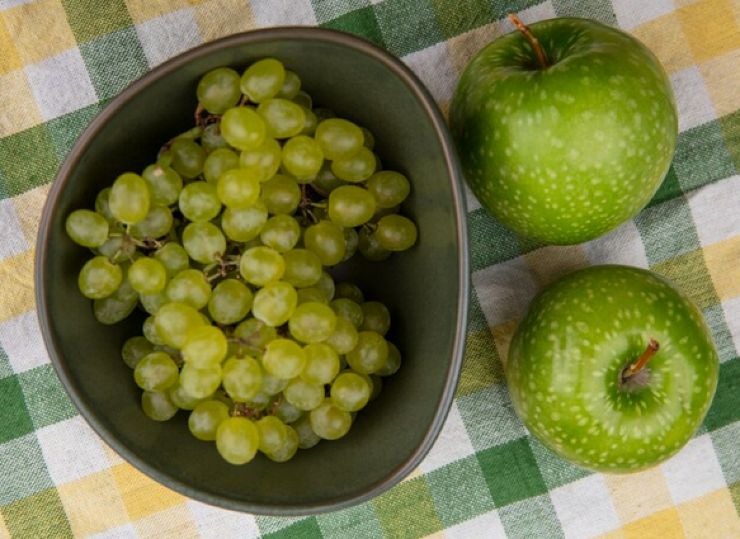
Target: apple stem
[[524, 29], [638, 365]]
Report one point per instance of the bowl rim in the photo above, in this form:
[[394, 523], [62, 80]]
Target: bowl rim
[[78, 150]]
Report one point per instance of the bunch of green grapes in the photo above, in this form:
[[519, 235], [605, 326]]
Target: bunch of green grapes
[[224, 241]]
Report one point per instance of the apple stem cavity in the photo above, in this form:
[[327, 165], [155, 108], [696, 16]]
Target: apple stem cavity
[[533, 41], [638, 365]]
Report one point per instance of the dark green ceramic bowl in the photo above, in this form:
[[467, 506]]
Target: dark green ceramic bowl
[[426, 288]]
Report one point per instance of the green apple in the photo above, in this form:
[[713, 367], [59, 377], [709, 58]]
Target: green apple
[[612, 368], [565, 145]]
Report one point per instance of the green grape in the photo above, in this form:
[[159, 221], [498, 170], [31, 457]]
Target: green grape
[[116, 248], [345, 337], [350, 206], [302, 268], [147, 275], [134, 349], [281, 194], [261, 266], [200, 383], [291, 85], [349, 291], [377, 384], [357, 168], [285, 411], [388, 188], [326, 284], [242, 378], [263, 79], [325, 181], [349, 310], [149, 329], [243, 128], [173, 321], [87, 228], [157, 406], [116, 307], [326, 240], [288, 449], [272, 433], [173, 257], [307, 438], [271, 385], [370, 354], [260, 401], [396, 233], [339, 139], [211, 138], [304, 100], [218, 162], [239, 187], [219, 90], [190, 287], [369, 138], [329, 422], [102, 206], [323, 113], [164, 184], [203, 242], [375, 317], [312, 322], [310, 122], [129, 198], [311, 294], [255, 333], [350, 392], [181, 399], [275, 303], [394, 361], [281, 233], [157, 223], [237, 440], [205, 418], [187, 158], [155, 372], [302, 157], [283, 118], [351, 241], [152, 302], [244, 224], [265, 158], [205, 346], [191, 134], [230, 302], [322, 364], [199, 202], [284, 359], [370, 248], [99, 278]]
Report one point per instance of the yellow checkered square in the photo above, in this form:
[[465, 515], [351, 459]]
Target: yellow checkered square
[[711, 516], [92, 504], [16, 274], [638, 495], [664, 524], [218, 18], [722, 262], [19, 110], [39, 29], [9, 59], [174, 523], [722, 78], [710, 28], [142, 496], [665, 37], [28, 207]]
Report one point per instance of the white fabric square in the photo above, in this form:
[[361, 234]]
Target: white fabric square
[[505, 290], [620, 246], [487, 525], [21, 339], [71, 450], [452, 444], [694, 471], [164, 37], [13, 240], [61, 84], [731, 308], [632, 13], [716, 210], [692, 99], [217, 523], [127, 531], [283, 12], [434, 67], [584, 508]]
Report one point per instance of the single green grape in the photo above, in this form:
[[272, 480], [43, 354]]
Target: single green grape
[[307, 438], [389, 188], [239, 187], [261, 401], [312, 322], [350, 392], [230, 302], [261, 266], [237, 440], [286, 411], [284, 359], [116, 249], [291, 85], [370, 248], [396, 233], [211, 138], [375, 317], [339, 139], [265, 158], [310, 122], [255, 333], [304, 395], [281, 194], [190, 287], [116, 307], [157, 223], [156, 371], [99, 278], [370, 354], [281, 233], [203, 242], [351, 241], [219, 90], [157, 406], [394, 361], [263, 79], [272, 385], [87, 228], [282, 117], [329, 422], [310, 294], [325, 181], [350, 206], [369, 138], [302, 157], [272, 434], [322, 364], [147, 275], [187, 158], [288, 449], [303, 99], [200, 383], [102, 206], [244, 224], [326, 284], [242, 378], [302, 268], [274, 303], [182, 399], [129, 198], [149, 329], [349, 310], [243, 128], [205, 419], [205, 346], [173, 257], [218, 162], [199, 202], [345, 336], [356, 168], [173, 321], [134, 349], [326, 240], [349, 291]]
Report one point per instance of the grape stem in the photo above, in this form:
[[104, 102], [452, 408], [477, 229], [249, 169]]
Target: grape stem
[[652, 347], [533, 41]]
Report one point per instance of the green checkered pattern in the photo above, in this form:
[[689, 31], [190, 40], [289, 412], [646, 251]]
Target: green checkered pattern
[[61, 60]]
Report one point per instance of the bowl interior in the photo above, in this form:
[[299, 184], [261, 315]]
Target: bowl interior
[[425, 288]]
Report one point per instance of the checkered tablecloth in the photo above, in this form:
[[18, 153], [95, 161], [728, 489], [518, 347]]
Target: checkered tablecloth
[[61, 60]]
